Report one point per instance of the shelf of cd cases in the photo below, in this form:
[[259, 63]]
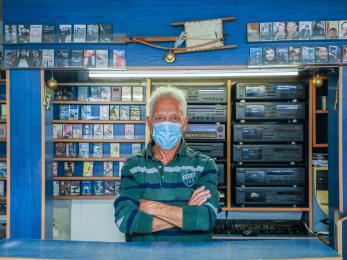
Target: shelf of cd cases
[[99, 141], [61, 34], [98, 103], [103, 159], [116, 178], [98, 121], [96, 126], [84, 197]]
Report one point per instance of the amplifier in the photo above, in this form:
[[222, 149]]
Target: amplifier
[[213, 150], [270, 176], [268, 133], [205, 131], [270, 195], [205, 94], [267, 153], [203, 113], [270, 110], [270, 91], [221, 173]]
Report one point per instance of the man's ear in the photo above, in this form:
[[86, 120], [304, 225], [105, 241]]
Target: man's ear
[[184, 125], [149, 124]]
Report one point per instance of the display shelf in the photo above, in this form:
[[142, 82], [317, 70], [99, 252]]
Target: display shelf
[[270, 209], [2, 101], [3, 139], [108, 159], [3, 178], [321, 111], [3, 159], [82, 178], [99, 121], [2, 120], [84, 197], [2, 197], [99, 140], [64, 102]]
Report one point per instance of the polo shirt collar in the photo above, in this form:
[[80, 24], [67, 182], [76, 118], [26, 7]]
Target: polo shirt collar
[[182, 150]]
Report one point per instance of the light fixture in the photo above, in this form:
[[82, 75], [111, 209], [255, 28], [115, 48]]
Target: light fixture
[[317, 81], [237, 73], [170, 57]]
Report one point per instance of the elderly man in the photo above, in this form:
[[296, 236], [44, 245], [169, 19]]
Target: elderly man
[[168, 191]]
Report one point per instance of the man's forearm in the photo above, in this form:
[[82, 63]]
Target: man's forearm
[[168, 213], [159, 225]]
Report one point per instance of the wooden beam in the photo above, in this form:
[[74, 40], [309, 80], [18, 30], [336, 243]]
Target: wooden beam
[[223, 19]]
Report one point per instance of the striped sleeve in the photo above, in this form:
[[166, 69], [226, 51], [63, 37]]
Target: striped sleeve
[[129, 219], [203, 217]]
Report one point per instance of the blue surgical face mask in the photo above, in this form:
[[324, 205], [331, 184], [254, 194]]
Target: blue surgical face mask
[[167, 134]]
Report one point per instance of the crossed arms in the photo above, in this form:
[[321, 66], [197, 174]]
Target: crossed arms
[[133, 215]]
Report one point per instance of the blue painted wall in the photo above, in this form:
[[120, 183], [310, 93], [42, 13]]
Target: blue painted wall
[[153, 18], [136, 18], [25, 143]]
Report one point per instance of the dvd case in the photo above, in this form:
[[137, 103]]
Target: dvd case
[[114, 112], [67, 131], [92, 33], [101, 58], [106, 32], [80, 32], [77, 131], [108, 131], [23, 33], [65, 33], [48, 33], [318, 30], [48, 58], [305, 30], [35, 33], [266, 31], [332, 29], [118, 59], [255, 56], [253, 32], [83, 150], [57, 131], [98, 131], [98, 150], [86, 112]]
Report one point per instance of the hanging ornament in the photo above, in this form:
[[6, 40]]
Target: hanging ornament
[[48, 93]]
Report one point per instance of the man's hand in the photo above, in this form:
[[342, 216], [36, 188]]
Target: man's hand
[[199, 196]]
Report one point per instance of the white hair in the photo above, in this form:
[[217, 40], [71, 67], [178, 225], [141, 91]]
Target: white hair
[[171, 92]]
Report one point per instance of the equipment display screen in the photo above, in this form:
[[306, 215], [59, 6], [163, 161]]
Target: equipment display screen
[[286, 87], [255, 196], [255, 91], [255, 111], [252, 133], [252, 153], [202, 128]]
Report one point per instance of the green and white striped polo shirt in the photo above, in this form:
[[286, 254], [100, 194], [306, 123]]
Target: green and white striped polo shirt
[[144, 177]]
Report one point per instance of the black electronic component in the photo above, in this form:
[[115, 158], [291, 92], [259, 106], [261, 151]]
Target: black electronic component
[[261, 196], [270, 176], [268, 153], [213, 150], [205, 131], [270, 91], [270, 110], [268, 132], [207, 114]]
